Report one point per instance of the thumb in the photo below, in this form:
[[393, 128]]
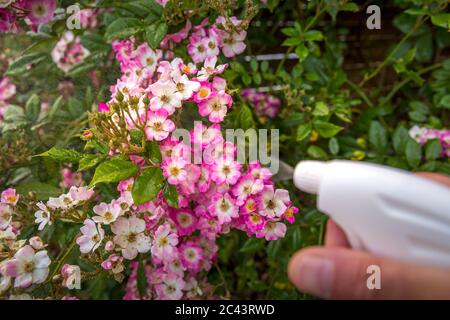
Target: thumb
[[341, 273]]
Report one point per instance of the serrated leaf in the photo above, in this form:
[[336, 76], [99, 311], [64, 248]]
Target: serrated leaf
[[153, 151], [63, 155], [155, 33], [33, 108], [114, 170], [89, 161], [20, 65], [122, 28], [147, 185], [94, 42], [171, 195]]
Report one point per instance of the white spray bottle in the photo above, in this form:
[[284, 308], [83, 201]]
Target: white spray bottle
[[384, 211]]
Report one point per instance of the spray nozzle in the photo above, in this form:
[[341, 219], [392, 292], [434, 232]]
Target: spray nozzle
[[308, 174]]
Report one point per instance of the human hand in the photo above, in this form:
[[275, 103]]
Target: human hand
[[335, 271]]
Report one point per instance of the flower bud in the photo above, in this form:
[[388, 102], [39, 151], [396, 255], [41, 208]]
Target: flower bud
[[109, 246], [37, 243]]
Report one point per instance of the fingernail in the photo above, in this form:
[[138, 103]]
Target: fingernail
[[315, 275]]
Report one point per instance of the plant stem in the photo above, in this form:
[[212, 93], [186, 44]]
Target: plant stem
[[64, 257], [360, 92], [391, 54], [405, 81]]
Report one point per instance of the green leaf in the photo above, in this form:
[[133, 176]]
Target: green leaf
[[416, 11], [424, 48], [56, 107], [20, 65], [89, 161], [378, 136], [302, 52], [433, 149], [136, 136], [351, 6], [273, 248], [291, 42], [303, 131], [413, 153], [326, 129], [141, 279], [321, 109], [313, 35], [94, 42], [122, 28], [417, 116], [445, 101], [171, 195], [244, 118], [43, 191], [317, 153], [114, 170], [33, 108], [333, 146], [153, 151], [147, 185], [81, 68], [399, 139], [296, 238], [252, 245], [155, 32], [441, 20], [14, 118], [254, 65], [63, 155]]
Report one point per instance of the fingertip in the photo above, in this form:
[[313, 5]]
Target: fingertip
[[311, 271]]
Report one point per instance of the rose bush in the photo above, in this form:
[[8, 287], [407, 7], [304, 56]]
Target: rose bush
[[101, 198]]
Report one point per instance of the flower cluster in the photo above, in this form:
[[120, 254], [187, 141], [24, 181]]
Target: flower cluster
[[265, 105], [29, 263], [422, 135], [7, 91], [207, 41], [215, 195], [68, 51], [34, 12]]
